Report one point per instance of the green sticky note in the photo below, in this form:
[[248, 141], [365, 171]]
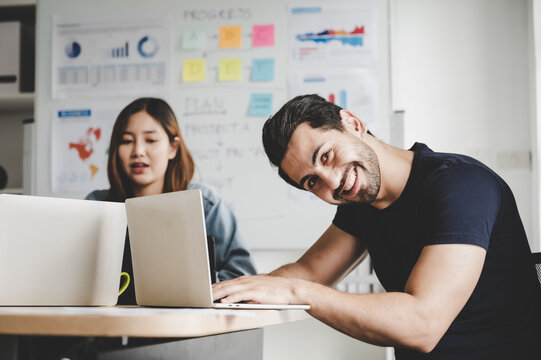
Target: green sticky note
[[194, 39]]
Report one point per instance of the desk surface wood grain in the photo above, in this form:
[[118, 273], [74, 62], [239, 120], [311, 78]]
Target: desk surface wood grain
[[135, 321]]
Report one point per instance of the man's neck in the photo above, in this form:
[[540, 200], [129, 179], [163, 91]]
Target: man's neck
[[395, 167]]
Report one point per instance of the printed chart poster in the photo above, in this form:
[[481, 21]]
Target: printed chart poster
[[333, 34], [351, 89], [94, 57], [80, 146]]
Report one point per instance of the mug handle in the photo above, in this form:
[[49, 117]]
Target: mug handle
[[124, 285]]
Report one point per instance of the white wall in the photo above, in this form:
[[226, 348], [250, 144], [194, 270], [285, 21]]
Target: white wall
[[460, 70]]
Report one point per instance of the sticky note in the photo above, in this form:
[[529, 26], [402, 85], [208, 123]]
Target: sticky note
[[230, 37], [262, 35], [230, 69], [262, 70], [260, 105], [193, 70], [194, 39]]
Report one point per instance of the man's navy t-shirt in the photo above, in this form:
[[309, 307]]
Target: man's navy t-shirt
[[454, 199]]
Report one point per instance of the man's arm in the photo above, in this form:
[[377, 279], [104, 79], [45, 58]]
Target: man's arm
[[438, 288], [331, 258]]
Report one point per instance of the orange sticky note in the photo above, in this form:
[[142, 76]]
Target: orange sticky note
[[230, 37], [193, 70]]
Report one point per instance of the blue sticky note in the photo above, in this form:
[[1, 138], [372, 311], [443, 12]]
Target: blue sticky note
[[262, 69], [260, 105]]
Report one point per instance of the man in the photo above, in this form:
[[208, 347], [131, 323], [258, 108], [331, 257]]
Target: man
[[442, 230]]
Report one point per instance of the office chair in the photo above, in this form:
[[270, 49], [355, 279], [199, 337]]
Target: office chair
[[536, 258]]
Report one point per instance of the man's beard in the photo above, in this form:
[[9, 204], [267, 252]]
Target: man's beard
[[370, 165]]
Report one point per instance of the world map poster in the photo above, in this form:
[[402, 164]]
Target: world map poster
[[80, 146]]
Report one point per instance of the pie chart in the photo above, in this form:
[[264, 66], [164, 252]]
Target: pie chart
[[147, 47], [73, 49]]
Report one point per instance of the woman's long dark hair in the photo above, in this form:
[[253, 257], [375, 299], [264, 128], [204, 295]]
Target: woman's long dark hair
[[180, 169]]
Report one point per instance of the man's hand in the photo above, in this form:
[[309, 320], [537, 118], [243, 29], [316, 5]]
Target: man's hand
[[263, 289]]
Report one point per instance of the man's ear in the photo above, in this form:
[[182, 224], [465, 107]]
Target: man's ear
[[174, 148], [352, 123]]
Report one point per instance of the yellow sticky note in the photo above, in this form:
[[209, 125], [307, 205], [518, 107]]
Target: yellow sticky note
[[193, 70], [230, 69], [230, 37]]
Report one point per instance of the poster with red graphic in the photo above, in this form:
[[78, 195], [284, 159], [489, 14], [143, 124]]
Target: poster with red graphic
[[80, 146], [333, 34]]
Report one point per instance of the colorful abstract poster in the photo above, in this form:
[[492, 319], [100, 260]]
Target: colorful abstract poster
[[333, 34], [97, 56], [80, 146]]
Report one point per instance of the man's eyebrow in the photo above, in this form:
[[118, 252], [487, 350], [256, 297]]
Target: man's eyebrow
[[314, 158]]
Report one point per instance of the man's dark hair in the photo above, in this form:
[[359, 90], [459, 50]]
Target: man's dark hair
[[278, 129]]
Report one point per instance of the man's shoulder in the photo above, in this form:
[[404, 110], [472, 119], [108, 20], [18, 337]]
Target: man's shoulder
[[99, 195], [461, 168], [438, 166], [461, 182]]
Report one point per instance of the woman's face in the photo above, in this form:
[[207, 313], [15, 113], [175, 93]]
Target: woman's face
[[144, 154]]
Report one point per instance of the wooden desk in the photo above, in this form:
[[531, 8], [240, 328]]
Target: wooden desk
[[199, 330]]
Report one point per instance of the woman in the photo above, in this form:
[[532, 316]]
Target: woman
[[147, 156]]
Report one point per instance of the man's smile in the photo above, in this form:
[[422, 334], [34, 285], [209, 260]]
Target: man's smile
[[349, 183]]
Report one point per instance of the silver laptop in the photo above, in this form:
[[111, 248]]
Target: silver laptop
[[60, 252], [168, 242]]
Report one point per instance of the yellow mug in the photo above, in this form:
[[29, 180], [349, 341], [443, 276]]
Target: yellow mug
[[125, 284]]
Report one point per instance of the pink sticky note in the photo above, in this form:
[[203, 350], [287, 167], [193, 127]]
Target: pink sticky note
[[263, 35]]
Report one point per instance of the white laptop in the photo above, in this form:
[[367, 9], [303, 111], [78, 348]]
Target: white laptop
[[168, 242], [60, 252]]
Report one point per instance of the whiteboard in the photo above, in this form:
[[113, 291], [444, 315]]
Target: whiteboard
[[219, 123]]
